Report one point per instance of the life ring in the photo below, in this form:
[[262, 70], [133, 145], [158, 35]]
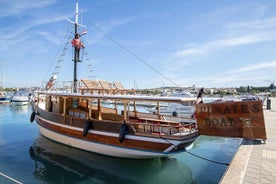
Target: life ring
[[32, 117], [123, 132], [49, 85], [86, 128]]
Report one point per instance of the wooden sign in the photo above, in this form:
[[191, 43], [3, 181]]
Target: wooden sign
[[242, 119]]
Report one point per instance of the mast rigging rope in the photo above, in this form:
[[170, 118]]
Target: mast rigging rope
[[67, 28], [134, 55]]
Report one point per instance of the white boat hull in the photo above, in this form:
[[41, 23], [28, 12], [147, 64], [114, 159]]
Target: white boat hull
[[5, 101], [100, 148], [19, 100], [19, 103]]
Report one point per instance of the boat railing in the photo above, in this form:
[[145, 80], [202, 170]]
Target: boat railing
[[137, 114], [159, 128], [158, 117], [146, 123], [181, 119]]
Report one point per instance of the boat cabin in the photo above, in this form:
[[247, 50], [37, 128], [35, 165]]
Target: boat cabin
[[119, 109]]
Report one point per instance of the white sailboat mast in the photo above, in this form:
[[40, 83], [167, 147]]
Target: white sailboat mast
[[76, 17], [77, 13]]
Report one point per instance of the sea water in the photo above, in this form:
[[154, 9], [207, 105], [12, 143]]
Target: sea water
[[28, 157]]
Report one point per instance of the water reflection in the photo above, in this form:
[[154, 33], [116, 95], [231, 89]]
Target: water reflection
[[209, 157], [56, 163], [19, 109]]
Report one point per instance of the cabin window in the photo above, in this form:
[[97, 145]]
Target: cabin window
[[75, 103]]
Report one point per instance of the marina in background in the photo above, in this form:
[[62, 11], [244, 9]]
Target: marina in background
[[73, 114], [91, 117]]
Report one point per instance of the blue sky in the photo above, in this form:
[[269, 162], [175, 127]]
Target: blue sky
[[205, 43]]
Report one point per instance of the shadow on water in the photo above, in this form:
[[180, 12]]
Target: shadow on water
[[56, 163]]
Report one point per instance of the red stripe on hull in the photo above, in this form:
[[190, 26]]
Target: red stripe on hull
[[104, 139]]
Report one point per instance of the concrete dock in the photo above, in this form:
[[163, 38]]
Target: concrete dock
[[255, 161]]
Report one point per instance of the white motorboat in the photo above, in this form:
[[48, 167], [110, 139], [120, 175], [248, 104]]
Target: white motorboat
[[19, 98]]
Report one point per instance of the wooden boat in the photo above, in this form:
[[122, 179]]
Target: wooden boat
[[75, 119], [82, 120]]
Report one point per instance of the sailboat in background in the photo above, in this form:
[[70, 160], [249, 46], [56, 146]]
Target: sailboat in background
[[4, 95]]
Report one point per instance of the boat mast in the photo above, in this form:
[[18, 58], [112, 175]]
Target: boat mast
[[76, 51]]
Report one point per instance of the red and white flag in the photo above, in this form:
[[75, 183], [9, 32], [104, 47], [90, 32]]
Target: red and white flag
[[84, 32]]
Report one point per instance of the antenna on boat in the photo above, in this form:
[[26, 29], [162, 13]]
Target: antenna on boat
[[77, 45]]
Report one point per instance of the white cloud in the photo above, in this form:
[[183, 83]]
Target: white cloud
[[104, 28], [262, 27], [223, 43], [253, 30], [19, 7], [254, 67], [191, 51]]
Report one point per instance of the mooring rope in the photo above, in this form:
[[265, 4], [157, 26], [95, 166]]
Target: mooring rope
[[216, 162], [221, 163]]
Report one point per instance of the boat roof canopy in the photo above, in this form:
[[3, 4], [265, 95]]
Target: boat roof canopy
[[122, 97]]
